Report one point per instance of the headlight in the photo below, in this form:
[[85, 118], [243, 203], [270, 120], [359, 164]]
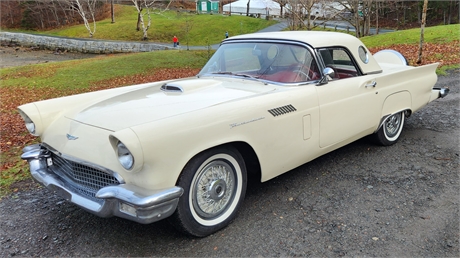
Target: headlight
[[127, 149], [30, 125], [125, 157]]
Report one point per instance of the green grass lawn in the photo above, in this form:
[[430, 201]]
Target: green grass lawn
[[198, 30], [84, 72], [436, 34]]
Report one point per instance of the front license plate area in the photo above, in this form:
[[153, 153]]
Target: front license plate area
[[62, 193]]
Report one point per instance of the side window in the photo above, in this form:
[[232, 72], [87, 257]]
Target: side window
[[340, 61]]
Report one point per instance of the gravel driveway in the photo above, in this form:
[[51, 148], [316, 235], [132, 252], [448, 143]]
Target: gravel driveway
[[360, 200], [13, 55]]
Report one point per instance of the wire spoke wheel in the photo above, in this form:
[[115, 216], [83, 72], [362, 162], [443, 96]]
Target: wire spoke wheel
[[214, 184], [389, 132], [213, 189], [392, 125]]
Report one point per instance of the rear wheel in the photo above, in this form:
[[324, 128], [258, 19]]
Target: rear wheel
[[391, 129], [214, 185]]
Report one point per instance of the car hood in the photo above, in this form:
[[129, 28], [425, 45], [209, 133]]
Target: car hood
[[162, 100]]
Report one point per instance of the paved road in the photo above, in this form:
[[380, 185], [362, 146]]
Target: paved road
[[344, 26], [338, 25]]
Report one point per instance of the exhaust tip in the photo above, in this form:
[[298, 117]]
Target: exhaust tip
[[443, 92]]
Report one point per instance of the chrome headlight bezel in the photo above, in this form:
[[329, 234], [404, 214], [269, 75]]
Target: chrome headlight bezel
[[125, 157], [126, 142], [29, 123]]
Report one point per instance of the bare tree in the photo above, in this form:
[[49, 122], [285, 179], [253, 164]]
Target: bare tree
[[45, 14], [295, 18], [9, 11], [361, 11], [308, 6], [377, 9], [282, 4], [143, 8], [112, 11], [86, 9], [422, 30], [248, 7], [187, 27], [304, 13], [140, 5]]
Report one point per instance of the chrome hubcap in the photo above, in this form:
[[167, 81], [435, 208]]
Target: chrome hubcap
[[392, 124], [217, 189]]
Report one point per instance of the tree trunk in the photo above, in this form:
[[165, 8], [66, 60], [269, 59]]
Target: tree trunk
[[357, 22], [309, 7], [425, 5], [112, 11], [377, 8], [247, 8], [404, 13], [139, 19]]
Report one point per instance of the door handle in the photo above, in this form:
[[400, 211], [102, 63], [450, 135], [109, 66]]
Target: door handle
[[371, 84]]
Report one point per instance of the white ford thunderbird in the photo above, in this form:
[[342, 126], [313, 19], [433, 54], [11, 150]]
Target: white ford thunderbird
[[264, 104]]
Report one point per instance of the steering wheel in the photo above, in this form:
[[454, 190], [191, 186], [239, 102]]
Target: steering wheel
[[303, 72]]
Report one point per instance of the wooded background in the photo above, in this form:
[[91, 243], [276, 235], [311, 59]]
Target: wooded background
[[49, 14]]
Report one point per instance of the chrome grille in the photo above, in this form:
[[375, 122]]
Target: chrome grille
[[81, 178]]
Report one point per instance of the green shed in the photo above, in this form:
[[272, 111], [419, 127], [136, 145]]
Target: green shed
[[207, 6]]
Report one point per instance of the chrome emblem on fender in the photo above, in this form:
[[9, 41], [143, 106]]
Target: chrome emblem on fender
[[71, 137]]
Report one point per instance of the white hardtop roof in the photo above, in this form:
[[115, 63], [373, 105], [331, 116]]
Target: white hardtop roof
[[315, 39], [319, 39]]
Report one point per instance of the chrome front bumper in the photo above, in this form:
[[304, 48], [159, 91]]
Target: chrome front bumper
[[124, 200]]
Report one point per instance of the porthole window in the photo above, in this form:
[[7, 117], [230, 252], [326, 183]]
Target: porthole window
[[363, 55], [272, 52]]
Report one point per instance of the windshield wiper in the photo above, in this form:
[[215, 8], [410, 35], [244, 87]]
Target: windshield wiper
[[236, 74]]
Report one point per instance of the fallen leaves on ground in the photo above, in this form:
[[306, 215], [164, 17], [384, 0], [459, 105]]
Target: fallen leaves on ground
[[13, 132], [445, 54]]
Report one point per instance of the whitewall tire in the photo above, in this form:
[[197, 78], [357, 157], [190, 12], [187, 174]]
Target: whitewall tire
[[390, 131], [214, 184]]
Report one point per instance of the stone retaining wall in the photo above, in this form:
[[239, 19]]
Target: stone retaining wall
[[78, 45]]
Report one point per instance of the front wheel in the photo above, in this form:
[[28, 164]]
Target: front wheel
[[391, 129], [214, 184]]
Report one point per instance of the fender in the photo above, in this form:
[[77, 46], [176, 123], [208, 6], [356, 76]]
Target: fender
[[397, 102], [394, 103]]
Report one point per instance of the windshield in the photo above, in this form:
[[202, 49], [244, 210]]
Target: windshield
[[277, 62]]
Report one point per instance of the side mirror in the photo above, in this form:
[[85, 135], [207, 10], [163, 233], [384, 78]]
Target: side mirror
[[328, 74]]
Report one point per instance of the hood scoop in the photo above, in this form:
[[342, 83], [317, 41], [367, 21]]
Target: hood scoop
[[188, 85], [171, 88], [164, 100]]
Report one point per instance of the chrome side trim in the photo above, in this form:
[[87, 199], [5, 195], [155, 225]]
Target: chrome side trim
[[126, 201], [375, 72]]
